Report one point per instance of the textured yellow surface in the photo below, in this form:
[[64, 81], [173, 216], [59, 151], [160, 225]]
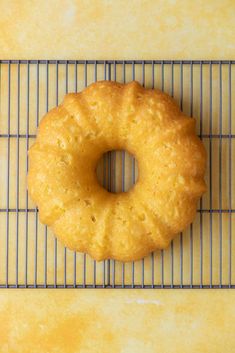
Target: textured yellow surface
[[120, 321], [117, 29], [71, 321]]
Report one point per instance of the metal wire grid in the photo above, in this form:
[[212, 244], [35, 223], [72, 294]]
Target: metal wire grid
[[207, 266]]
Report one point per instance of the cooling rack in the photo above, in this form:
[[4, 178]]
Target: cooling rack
[[202, 257]]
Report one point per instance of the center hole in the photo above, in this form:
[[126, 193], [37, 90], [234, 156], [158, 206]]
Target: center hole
[[117, 171]]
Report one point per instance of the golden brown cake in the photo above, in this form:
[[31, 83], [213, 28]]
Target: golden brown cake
[[112, 116]]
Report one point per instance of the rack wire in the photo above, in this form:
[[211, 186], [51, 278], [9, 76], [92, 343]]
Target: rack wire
[[202, 257]]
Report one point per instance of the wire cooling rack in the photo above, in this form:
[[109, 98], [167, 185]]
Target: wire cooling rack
[[202, 257]]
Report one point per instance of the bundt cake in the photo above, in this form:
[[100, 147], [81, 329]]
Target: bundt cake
[[112, 116]]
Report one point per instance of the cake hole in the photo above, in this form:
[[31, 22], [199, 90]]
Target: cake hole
[[93, 218], [117, 171]]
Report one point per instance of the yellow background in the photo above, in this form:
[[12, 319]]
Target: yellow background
[[107, 320]]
